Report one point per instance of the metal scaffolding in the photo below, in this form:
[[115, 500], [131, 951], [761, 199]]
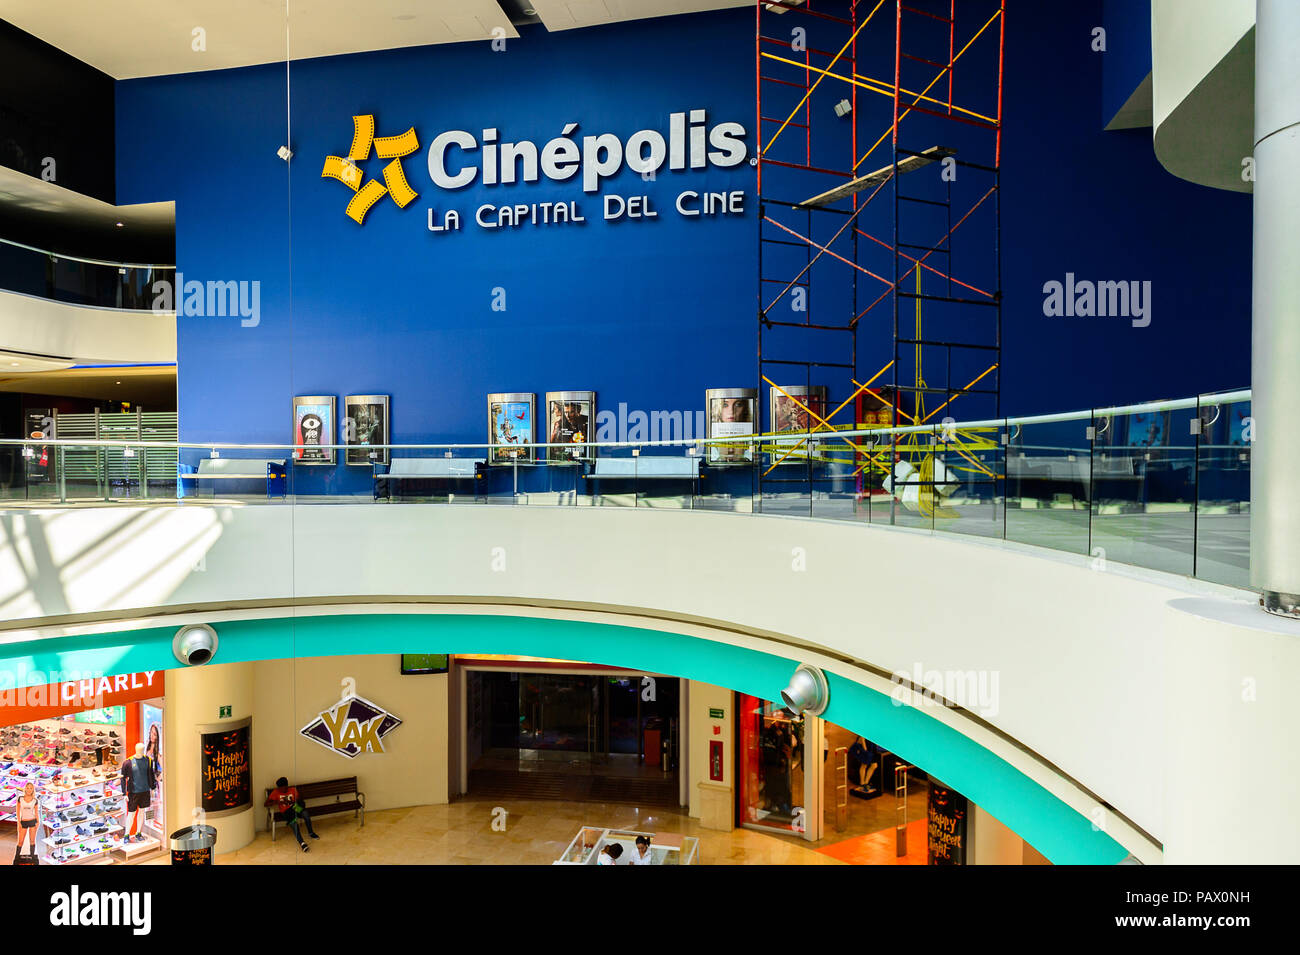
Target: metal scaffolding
[[825, 271]]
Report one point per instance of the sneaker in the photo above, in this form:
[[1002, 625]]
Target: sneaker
[[313, 835], [304, 847]]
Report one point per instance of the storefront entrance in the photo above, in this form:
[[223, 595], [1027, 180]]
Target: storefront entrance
[[66, 795], [806, 777], [598, 735]]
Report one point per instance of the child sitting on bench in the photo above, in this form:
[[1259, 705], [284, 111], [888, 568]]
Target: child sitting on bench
[[284, 799]]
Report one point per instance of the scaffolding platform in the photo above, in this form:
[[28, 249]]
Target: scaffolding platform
[[872, 179]]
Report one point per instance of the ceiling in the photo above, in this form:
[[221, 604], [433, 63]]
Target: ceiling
[[133, 38], [31, 206], [572, 14], [152, 387]]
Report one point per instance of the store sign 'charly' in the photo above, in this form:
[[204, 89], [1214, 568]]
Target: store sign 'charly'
[[352, 726], [458, 158]]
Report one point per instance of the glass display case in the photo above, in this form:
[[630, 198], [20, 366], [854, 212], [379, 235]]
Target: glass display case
[[666, 848]]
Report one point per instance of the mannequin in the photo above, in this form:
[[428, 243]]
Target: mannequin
[[138, 781]]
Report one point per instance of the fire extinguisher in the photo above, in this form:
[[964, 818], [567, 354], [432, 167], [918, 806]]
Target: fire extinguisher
[[45, 457]]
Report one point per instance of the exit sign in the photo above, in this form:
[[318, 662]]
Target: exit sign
[[224, 712], [715, 713]]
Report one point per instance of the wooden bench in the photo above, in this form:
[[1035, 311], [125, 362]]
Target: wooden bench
[[338, 788], [427, 469], [240, 469]]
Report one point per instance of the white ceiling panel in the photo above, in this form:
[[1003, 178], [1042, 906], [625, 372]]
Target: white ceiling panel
[[133, 38], [572, 14]]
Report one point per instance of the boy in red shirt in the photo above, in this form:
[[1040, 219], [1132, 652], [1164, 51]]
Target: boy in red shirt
[[284, 799]]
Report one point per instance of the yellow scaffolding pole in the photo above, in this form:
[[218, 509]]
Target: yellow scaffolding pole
[[973, 381], [866, 83]]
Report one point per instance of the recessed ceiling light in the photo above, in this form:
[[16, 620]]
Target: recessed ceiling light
[[117, 382], [14, 364], [119, 225]]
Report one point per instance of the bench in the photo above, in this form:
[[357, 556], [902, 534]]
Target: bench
[[338, 788], [651, 467], [237, 469], [427, 469], [655, 466]]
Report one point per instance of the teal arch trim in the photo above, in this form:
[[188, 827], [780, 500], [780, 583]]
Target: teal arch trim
[[1057, 831]]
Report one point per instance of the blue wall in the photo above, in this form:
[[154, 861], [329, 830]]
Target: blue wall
[[648, 313], [1128, 52]]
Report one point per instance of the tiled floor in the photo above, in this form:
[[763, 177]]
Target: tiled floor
[[536, 833], [881, 848]]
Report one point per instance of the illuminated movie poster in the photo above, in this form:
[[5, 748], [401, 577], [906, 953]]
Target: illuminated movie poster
[[40, 427], [791, 404], [365, 423], [313, 426], [730, 413], [790, 407], [152, 720], [570, 417], [510, 427]]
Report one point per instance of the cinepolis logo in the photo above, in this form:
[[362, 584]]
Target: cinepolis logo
[[352, 726], [346, 170], [458, 158]]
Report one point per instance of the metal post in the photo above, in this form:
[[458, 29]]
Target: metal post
[[900, 809], [1274, 510]]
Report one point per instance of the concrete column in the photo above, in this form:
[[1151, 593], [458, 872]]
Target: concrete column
[[194, 698], [712, 802], [1275, 362]]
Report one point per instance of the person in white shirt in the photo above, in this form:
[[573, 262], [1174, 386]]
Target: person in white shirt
[[641, 854], [609, 855]]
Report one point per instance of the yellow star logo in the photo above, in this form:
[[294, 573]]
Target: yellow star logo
[[346, 170]]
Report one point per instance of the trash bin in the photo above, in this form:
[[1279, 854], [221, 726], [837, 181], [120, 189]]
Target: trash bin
[[193, 845]]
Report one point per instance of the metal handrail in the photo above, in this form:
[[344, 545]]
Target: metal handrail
[[1226, 397], [78, 258]]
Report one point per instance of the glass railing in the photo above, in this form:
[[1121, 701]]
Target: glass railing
[[81, 281], [1163, 485]]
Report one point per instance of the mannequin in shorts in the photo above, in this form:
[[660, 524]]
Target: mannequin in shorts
[[138, 782]]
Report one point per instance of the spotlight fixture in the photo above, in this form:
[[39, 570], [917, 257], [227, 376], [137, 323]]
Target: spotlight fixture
[[808, 691], [285, 153], [843, 108], [120, 224]]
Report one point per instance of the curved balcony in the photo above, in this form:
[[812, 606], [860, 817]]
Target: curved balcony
[[1056, 687], [58, 310]]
